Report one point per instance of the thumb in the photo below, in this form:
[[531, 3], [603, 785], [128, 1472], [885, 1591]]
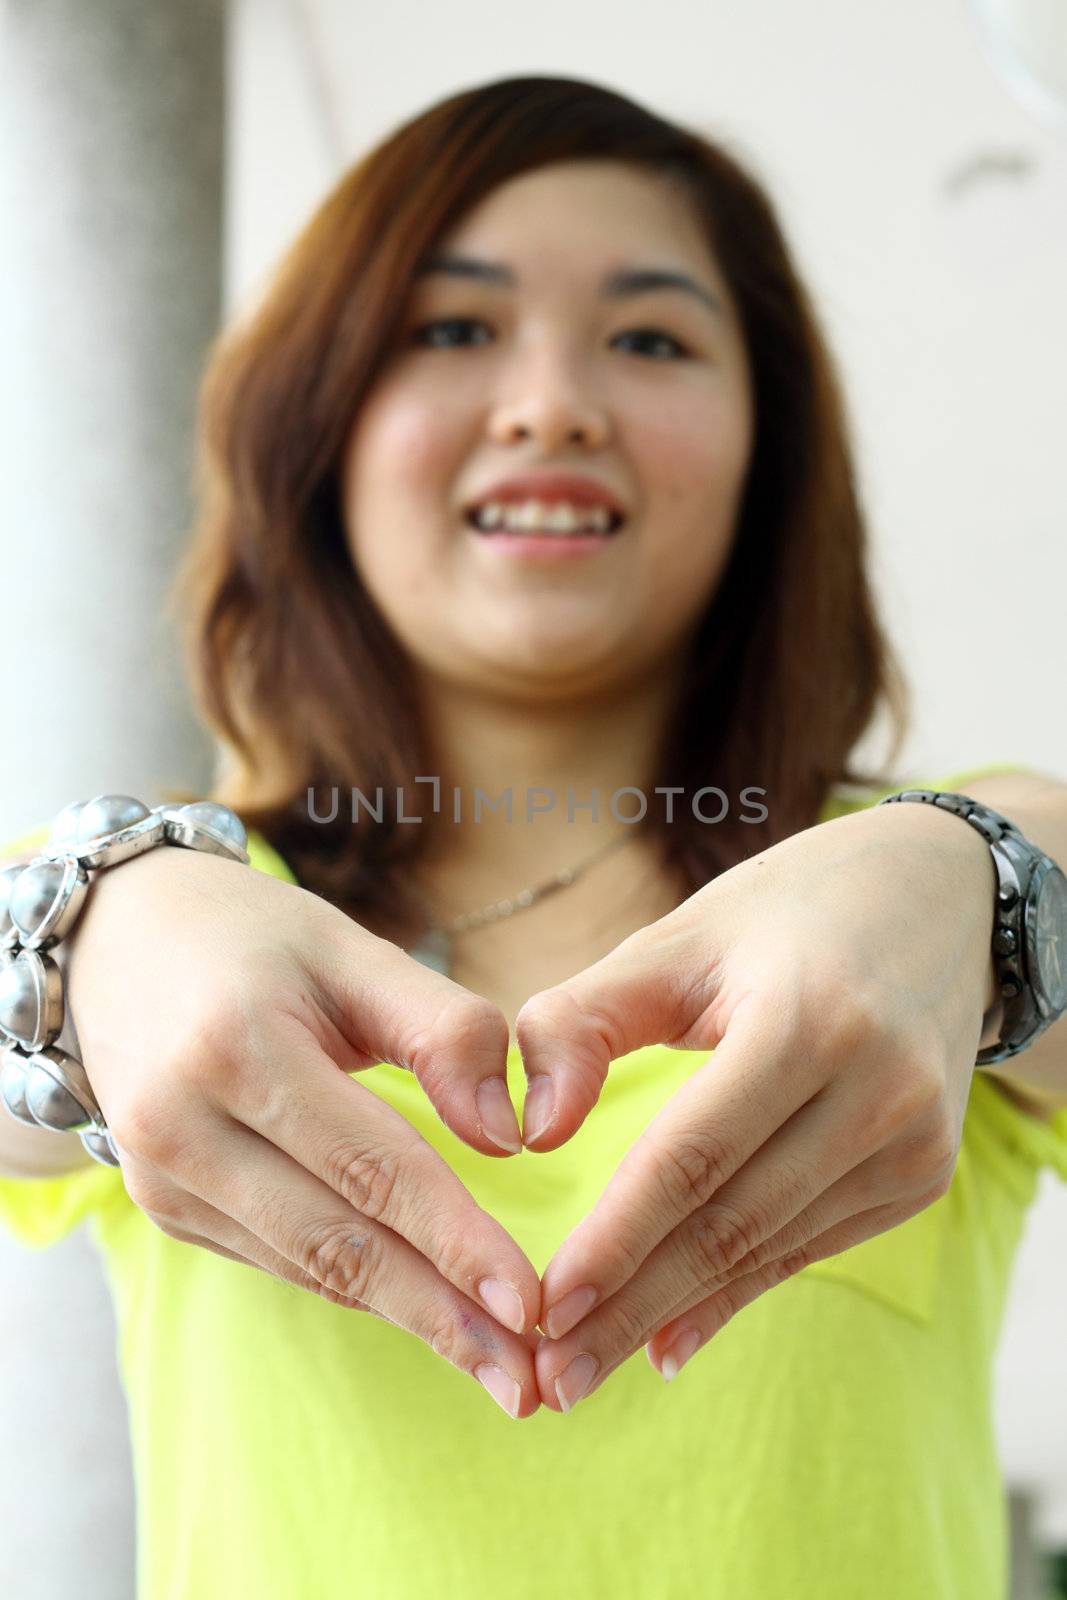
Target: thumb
[[645, 991]]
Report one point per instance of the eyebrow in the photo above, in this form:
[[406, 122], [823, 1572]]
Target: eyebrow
[[615, 286]]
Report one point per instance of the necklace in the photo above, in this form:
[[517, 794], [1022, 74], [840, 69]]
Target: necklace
[[434, 949]]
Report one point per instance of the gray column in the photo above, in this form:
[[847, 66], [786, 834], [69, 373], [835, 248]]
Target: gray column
[[111, 141], [111, 152]]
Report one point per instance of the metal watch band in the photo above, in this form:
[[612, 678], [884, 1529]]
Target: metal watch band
[[40, 904], [1013, 857]]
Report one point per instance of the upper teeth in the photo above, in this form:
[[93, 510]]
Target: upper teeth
[[559, 517]]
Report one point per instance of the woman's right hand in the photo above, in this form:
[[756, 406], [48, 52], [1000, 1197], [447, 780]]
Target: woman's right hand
[[217, 1011]]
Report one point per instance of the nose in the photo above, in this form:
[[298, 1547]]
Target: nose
[[553, 415]]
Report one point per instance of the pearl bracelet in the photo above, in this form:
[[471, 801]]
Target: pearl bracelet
[[40, 903]]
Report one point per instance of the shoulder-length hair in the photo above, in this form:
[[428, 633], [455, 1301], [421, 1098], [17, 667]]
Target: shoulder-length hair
[[294, 668]]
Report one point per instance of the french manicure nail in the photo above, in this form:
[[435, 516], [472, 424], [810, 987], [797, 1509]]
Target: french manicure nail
[[571, 1309], [678, 1353], [538, 1107], [504, 1390], [575, 1379], [504, 1302], [498, 1114]]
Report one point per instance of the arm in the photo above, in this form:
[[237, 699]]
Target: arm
[[1037, 1077]]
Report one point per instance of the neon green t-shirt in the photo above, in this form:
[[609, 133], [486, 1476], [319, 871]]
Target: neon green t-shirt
[[835, 1439]]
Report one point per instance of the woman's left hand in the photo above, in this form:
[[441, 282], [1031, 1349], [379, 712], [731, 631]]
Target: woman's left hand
[[841, 978]]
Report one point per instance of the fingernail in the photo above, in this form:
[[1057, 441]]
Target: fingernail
[[504, 1302], [678, 1353], [504, 1390], [571, 1309], [498, 1114], [574, 1380], [538, 1107]]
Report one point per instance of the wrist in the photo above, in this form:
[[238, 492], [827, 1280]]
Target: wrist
[[967, 858]]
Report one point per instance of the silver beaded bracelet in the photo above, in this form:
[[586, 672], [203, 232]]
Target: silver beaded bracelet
[[40, 903]]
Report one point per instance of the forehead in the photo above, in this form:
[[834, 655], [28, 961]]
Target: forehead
[[618, 229], [577, 210]]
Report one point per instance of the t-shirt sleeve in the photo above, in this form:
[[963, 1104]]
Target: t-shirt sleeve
[[1014, 1142], [40, 1211], [31, 840]]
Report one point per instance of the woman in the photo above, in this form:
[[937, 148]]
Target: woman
[[532, 282]]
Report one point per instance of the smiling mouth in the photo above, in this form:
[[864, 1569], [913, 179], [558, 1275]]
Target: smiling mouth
[[615, 522]]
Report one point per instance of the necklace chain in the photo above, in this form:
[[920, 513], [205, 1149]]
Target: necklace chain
[[527, 897]]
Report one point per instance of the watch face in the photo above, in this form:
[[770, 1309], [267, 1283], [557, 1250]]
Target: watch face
[[1047, 938]]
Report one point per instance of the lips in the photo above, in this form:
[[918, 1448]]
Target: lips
[[577, 489]]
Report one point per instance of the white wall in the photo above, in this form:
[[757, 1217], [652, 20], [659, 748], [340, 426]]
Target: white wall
[[928, 211]]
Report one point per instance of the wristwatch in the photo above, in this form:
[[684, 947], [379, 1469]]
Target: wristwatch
[[1029, 924]]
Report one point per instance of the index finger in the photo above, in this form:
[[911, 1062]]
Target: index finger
[[372, 1156], [389, 1007], [726, 1111]]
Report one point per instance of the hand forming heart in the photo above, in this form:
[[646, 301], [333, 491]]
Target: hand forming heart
[[840, 978]]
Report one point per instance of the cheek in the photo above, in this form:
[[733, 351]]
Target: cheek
[[402, 458], [696, 458], [696, 448]]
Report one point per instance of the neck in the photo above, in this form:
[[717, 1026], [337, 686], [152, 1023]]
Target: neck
[[545, 755]]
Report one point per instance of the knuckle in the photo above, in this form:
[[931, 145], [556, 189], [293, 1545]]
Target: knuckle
[[628, 1251], [133, 1123], [164, 1205], [788, 1266], [914, 1092], [303, 1281], [147, 1191], [943, 1159], [856, 1021], [368, 1181], [444, 1342], [466, 1025], [721, 1238], [940, 1187], [228, 1036], [936, 1192], [207, 1063], [342, 1260], [172, 1229], [940, 1164], [622, 1323], [159, 1124], [843, 1013], [689, 1170], [451, 1259], [145, 1124], [931, 1157]]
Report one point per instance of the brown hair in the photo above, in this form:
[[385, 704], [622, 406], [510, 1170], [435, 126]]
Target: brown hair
[[293, 666]]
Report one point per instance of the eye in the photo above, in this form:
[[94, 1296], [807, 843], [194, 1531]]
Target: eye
[[420, 334], [654, 333], [426, 334]]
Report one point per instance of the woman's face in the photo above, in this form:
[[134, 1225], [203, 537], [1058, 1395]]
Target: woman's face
[[648, 392]]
